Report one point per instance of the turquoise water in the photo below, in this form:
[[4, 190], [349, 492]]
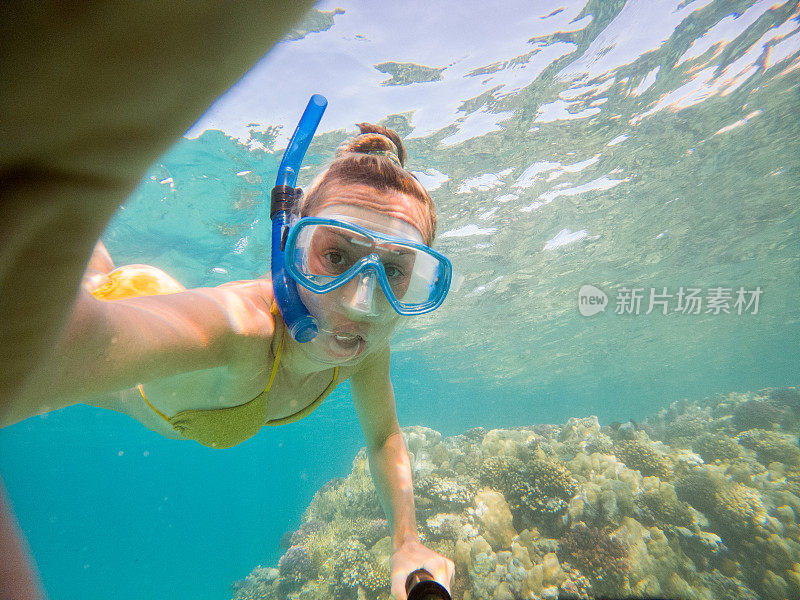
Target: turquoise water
[[663, 137]]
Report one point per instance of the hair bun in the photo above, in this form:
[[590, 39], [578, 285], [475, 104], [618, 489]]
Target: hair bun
[[375, 139], [373, 158]]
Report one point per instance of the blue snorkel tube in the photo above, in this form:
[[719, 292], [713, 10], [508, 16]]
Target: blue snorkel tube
[[301, 325]]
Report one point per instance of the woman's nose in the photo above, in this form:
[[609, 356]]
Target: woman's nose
[[361, 300]]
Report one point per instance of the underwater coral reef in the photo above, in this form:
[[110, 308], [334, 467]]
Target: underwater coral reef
[[699, 501]]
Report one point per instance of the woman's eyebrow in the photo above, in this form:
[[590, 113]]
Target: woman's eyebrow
[[400, 251], [358, 242]]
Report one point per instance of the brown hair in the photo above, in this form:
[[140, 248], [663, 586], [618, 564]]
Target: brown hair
[[374, 158]]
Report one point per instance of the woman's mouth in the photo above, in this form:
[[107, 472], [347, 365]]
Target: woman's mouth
[[345, 344], [348, 340]]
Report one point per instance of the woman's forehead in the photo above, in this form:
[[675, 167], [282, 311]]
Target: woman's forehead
[[380, 221], [390, 208]]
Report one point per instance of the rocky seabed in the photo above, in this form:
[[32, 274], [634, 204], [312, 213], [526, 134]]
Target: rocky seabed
[[699, 501]]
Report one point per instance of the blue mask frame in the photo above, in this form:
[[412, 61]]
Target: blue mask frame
[[438, 289]]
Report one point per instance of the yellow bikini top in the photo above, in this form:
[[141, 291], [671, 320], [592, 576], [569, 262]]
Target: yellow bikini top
[[227, 427]]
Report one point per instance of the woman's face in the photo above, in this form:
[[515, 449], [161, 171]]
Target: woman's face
[[356, 318]]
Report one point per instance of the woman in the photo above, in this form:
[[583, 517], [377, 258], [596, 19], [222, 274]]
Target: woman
[[216, 364]]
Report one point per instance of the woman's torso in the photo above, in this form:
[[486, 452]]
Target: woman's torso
[[240, 381]]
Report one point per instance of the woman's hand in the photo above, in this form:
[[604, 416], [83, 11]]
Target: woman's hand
[[412, 555]]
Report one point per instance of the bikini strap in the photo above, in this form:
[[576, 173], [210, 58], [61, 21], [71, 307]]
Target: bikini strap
[[311, 407], [275, 312], [278, 353], [158, 412]]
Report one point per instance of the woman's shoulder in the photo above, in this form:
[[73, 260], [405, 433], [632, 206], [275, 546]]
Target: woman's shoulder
[[250, 306], [261, 285], [254, 326]]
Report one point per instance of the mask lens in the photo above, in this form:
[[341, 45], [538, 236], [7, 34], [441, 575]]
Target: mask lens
[[325, 252], [329, 251], [419, 283]]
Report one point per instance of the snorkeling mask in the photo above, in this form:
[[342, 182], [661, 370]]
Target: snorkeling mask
[[326, 251], [349, 249]]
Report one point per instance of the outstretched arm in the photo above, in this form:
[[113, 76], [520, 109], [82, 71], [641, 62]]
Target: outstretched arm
[[108, 346], [113, 87], [373, 397], [17, 579], [390, 467]]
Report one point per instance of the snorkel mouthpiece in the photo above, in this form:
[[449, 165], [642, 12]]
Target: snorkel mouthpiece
[[301, 325]]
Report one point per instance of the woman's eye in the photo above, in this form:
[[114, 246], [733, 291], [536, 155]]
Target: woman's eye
[[334, 258], [393, 271]]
